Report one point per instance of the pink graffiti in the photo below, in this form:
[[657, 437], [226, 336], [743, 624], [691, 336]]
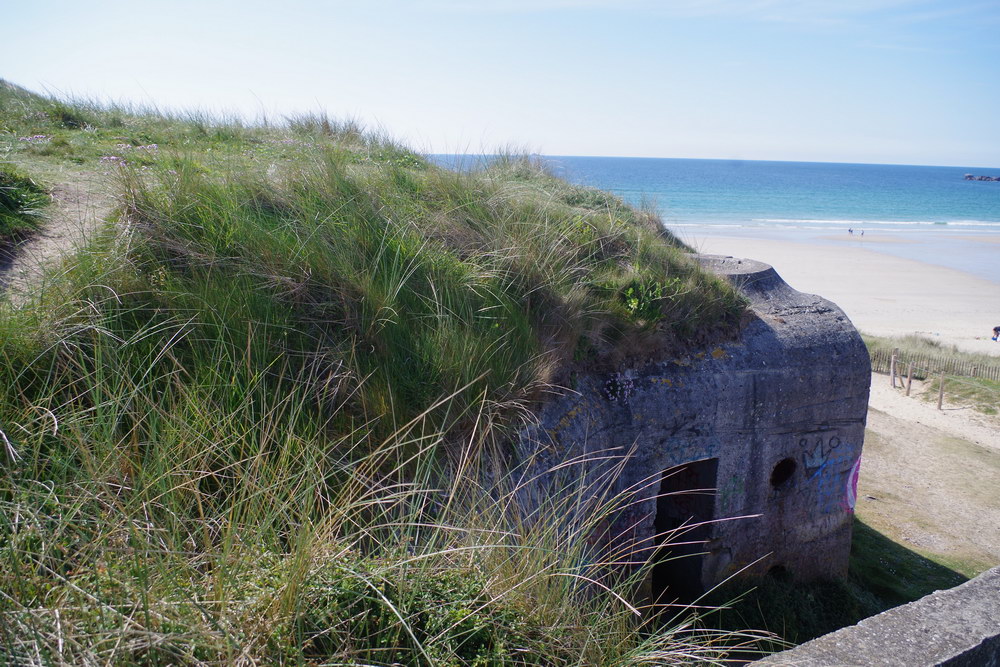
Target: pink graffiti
[[851, 492]]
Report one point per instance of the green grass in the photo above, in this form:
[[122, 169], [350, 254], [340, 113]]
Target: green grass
[[981, 394], [894, 574], [883, 574], [921, 346], [75, 134], [265, 417], [21, 203]]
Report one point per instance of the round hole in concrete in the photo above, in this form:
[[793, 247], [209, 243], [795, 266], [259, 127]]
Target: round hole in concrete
[[782, 472]]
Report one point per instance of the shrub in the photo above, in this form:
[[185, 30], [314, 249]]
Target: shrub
[[67, 115], [21, 202]]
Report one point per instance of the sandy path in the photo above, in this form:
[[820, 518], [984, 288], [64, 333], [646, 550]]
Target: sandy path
[[76, 212], [930, 479], [958, 421]]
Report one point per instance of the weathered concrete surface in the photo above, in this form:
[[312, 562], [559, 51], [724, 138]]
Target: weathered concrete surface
[[777, 418], [956, 627]]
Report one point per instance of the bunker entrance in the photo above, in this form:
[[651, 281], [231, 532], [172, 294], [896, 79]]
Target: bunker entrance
[[685, 503]]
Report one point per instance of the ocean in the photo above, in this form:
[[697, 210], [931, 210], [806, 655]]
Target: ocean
[[930, 214]]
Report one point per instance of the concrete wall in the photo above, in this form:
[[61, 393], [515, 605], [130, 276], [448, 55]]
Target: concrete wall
[[957, 627], [789, 399]]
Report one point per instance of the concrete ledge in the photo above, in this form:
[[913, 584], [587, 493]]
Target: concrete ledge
[[956, 627]]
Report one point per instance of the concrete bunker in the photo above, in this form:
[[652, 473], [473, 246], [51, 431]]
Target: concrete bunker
[[769, 426]]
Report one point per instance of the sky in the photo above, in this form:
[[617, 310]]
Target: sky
[[881, 81]]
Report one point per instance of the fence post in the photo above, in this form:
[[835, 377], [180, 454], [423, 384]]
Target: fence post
[[941, 391], [909, 377], [892, 367]]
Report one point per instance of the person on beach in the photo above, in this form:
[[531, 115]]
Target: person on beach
[[996, 333]]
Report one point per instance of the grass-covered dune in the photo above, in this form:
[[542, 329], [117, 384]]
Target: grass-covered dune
[[260, 418]]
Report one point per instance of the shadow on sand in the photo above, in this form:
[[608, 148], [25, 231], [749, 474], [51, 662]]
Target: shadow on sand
[[883, 574]]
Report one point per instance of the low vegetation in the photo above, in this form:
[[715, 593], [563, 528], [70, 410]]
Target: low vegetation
[[263, 418], [923, 347], [883, 574], [981, 394], [964, 384], [21, 203]]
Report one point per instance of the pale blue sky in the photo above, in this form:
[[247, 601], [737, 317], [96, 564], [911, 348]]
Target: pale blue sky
[[895, 81]]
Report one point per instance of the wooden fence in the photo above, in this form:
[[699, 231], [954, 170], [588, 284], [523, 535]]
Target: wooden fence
[[925, 366]]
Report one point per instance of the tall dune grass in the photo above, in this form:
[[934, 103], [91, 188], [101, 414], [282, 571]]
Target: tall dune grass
[[265, 417], [231, 528]]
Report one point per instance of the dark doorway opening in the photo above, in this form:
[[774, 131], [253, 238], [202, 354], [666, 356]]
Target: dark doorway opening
[[685, 503]]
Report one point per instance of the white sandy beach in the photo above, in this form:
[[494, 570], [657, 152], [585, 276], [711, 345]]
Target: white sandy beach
[[882, 294]]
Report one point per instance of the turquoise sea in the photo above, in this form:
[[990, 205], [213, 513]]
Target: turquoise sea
[[929, 214], [926, 213]]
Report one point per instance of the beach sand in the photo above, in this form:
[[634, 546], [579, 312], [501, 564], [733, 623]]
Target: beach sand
[[883, 295]]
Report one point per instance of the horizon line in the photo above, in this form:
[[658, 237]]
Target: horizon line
[[720, 159]]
